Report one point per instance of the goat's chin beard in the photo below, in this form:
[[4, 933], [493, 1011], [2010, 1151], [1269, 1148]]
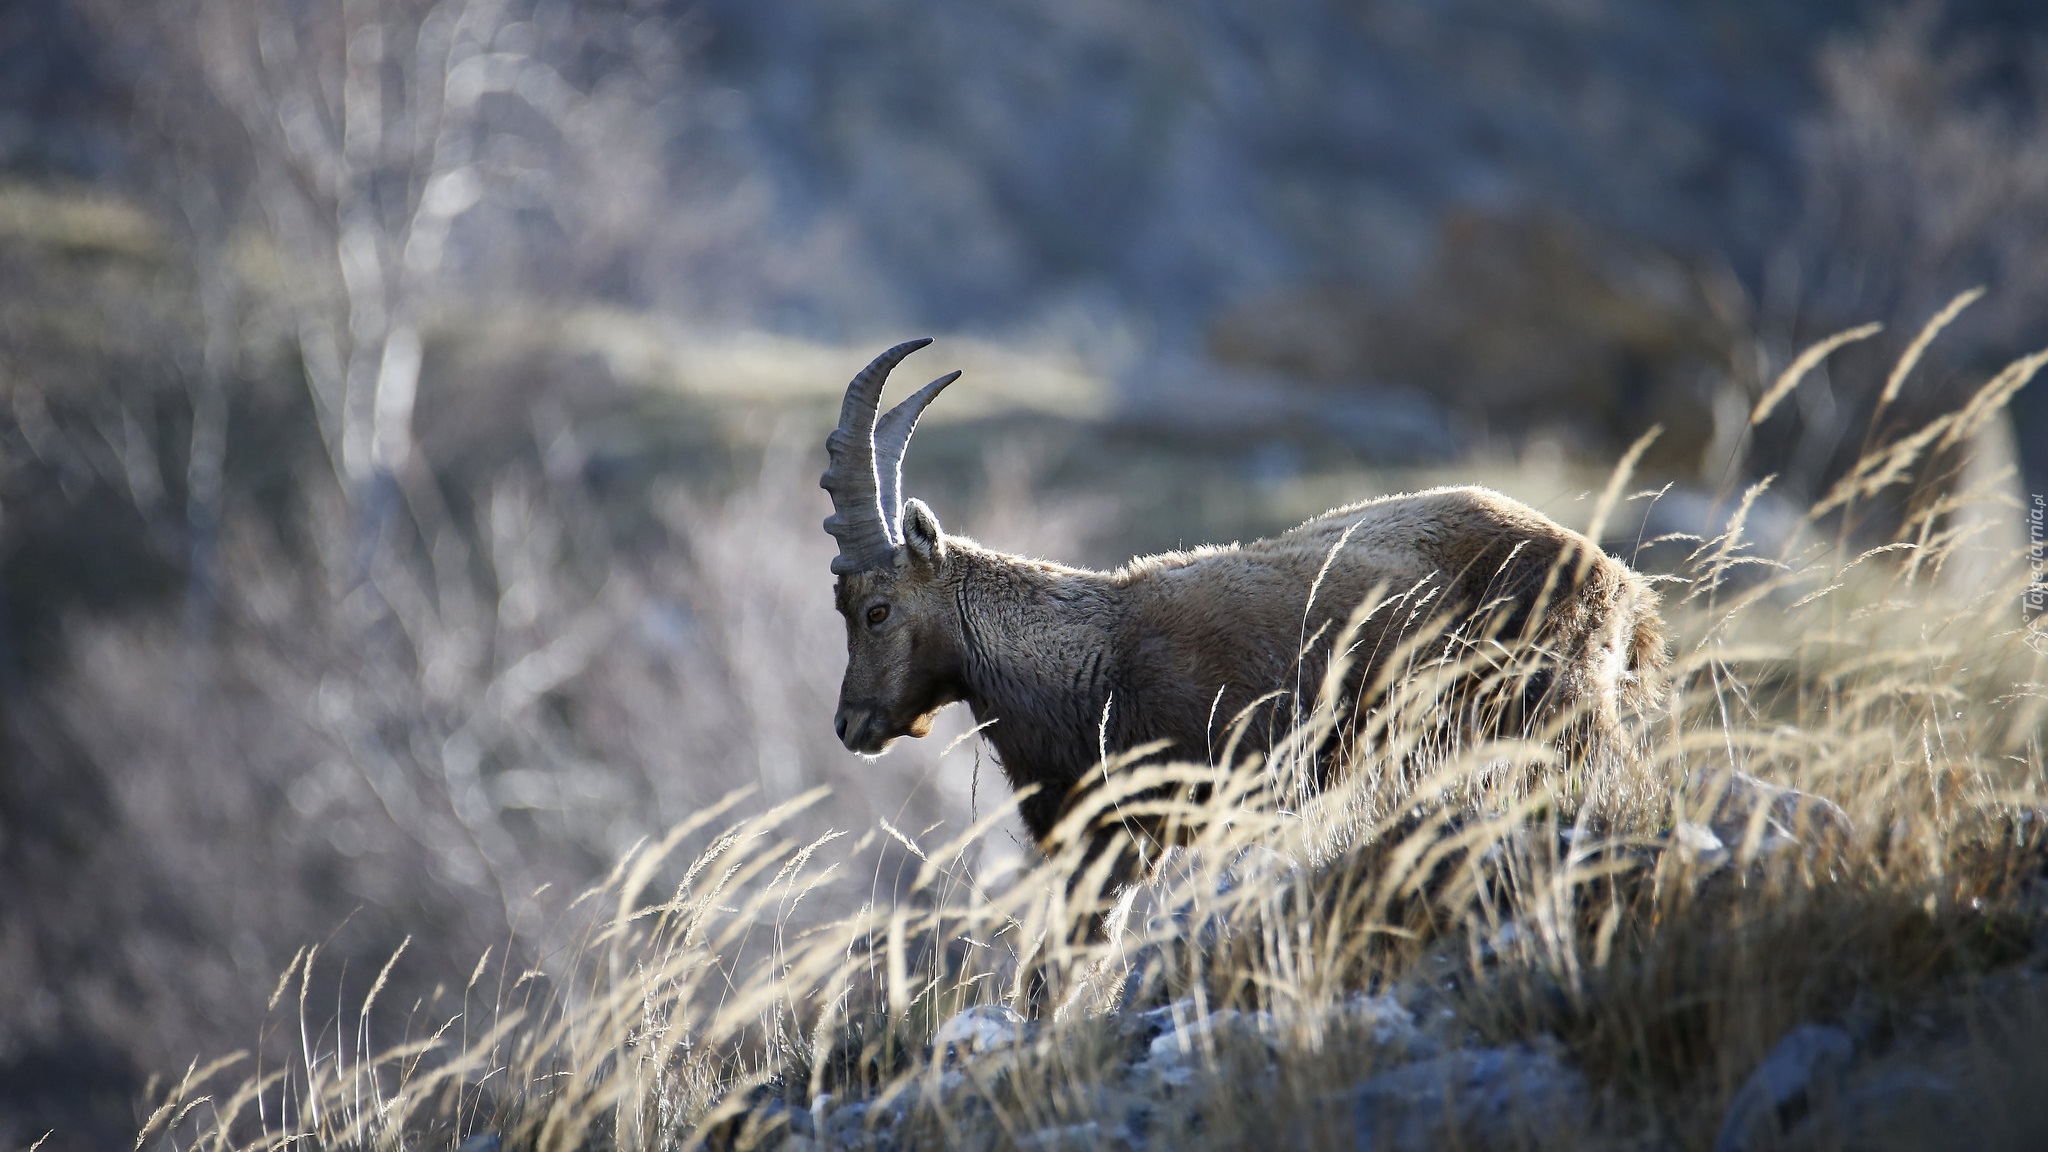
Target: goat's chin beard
[[922, 726]]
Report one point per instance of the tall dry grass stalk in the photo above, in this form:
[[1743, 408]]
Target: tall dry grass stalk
[[1660, 916]]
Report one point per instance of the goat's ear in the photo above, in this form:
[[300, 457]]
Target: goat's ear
[[922, 536]]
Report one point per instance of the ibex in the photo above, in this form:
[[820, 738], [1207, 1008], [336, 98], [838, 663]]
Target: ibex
[[1063, 664]]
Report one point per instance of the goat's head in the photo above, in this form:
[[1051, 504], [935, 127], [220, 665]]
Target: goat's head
[[903, 630]]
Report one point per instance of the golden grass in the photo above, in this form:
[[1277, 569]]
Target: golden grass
[[1505, 899]]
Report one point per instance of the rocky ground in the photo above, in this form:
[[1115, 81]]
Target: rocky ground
[[1404, 1068]]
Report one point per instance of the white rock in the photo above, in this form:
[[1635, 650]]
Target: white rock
[[1697, 844], [976, 1030], [1175, 1054], [1392, 1024]]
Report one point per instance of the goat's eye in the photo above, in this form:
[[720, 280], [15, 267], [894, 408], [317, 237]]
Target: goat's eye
[[878, 613]]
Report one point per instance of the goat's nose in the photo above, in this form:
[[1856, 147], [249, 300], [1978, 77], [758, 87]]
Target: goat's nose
[[839, 726]]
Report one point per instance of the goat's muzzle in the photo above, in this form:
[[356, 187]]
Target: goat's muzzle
[[861, 730], [869, 730]]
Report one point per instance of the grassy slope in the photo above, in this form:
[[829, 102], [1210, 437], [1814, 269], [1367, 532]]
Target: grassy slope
[[693, 992]]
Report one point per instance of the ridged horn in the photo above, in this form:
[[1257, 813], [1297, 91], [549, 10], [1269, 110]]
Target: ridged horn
[[857, 521], [892, 436]]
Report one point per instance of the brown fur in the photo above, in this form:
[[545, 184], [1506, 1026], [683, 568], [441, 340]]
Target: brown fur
[[1172, 647]]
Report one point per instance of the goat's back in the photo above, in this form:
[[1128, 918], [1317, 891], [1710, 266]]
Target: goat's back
[[1218, 628]]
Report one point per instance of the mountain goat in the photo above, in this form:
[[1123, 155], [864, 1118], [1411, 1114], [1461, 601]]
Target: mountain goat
[[1064, 664]]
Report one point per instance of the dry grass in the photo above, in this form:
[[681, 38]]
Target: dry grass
[[744, 956]]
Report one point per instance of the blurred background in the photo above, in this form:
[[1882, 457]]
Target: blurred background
[[410, 411]]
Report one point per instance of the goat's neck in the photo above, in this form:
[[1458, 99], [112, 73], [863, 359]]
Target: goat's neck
[[1042, 656]]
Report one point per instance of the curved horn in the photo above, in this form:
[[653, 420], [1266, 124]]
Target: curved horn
[[857, 521], [892, 436]]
